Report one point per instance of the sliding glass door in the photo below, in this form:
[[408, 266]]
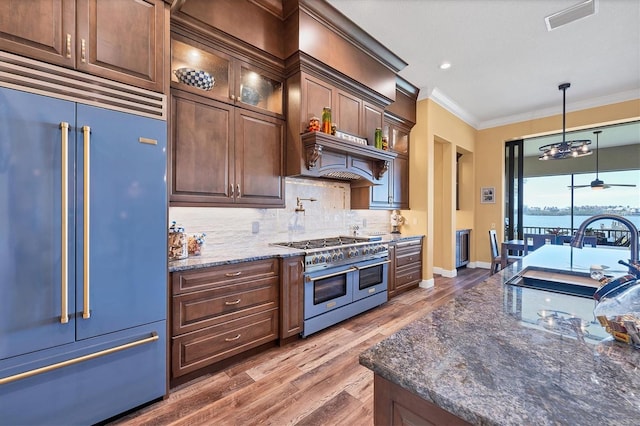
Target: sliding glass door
[[556, 196]]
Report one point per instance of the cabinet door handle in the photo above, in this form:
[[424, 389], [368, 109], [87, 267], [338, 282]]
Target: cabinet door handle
[[86, 131], [235, 302], [231, 339], [233, 274], [83, 51], [239, 194], [68, 46], [231, 191], [64, 222]]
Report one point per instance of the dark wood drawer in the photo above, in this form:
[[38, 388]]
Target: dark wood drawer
[[192, 351], [224, 275], [408, 275], [195, 310], [408, 257]]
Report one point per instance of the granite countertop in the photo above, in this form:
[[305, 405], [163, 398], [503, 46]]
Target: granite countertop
[[221, 254], [505, 355]]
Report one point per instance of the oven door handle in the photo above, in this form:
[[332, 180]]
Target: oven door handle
[[373, 264], [322, 277]]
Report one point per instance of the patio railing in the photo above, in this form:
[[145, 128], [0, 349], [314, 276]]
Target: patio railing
[[606, 236]]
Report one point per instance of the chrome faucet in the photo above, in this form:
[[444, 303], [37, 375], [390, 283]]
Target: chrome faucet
[[299, 206], [578, 239]]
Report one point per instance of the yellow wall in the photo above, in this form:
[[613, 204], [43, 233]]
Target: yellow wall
[[436, 138]]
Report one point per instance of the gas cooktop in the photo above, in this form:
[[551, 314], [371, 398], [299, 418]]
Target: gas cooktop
[[321, 253], [319, 243]]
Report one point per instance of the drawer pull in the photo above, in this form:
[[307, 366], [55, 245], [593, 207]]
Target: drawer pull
[[410, 258], [233, 274], [231, 339], [235, 302]]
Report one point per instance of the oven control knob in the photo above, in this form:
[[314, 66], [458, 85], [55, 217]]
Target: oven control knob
[[353, 253], [322, 258], [334, 257], [341, 256], [365, 250], [314, 259]]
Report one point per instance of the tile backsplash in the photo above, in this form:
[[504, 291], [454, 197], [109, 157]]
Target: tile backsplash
[[329, 215]]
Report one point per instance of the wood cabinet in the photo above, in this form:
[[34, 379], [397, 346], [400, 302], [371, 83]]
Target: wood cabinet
[[351, 113], [224, 155], [222, 311], [394, 405], [393, 190], [235, 80], [227, 141], [405, 271], [119, 40], [291, 297]]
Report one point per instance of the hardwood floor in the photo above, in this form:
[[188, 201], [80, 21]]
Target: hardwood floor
[[314, 381]]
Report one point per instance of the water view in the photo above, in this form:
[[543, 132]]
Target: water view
[[532, 221]]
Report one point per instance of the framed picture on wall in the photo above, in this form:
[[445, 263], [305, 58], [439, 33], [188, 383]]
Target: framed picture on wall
[[488, 194]]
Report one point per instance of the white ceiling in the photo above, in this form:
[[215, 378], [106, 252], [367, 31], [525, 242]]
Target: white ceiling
[[506, 66]]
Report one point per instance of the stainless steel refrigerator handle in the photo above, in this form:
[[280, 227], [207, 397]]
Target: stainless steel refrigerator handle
[[86, 131], [64, 222]]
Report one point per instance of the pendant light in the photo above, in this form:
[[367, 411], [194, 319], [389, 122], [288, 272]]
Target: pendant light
[[565, 149]]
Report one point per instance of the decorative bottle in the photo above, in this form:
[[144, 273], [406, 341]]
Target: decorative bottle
[[326, 120]]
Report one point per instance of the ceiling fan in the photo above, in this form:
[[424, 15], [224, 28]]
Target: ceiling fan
[[597, 183]]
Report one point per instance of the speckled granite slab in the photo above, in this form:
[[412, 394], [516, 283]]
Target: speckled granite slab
[[221, 254], [496, 356]]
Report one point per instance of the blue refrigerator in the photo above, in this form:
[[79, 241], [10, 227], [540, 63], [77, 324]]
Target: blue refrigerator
[[82, 258]]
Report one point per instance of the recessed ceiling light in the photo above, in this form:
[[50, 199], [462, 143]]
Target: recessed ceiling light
[[445, 66]]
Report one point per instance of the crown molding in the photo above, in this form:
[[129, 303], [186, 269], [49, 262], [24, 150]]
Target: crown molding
[[570, 107], [447, 103]]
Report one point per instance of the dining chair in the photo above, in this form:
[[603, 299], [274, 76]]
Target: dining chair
[[564, 240], [496, 258], [540, 239], [590, 240]]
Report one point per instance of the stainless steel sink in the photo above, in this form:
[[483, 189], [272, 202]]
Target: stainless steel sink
[[557, 281]]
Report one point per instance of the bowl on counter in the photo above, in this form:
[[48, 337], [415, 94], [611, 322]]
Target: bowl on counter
[[196, 78]]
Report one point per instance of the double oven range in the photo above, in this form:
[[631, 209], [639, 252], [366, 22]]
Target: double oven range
[[343, 276]]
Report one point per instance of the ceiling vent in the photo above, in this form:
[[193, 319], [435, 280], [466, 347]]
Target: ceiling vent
[[564, 17]]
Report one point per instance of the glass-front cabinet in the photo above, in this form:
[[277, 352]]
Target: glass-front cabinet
[[202, 70], [398, 138]]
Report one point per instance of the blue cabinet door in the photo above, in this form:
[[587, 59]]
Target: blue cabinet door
[[31, 217], [122, 237]]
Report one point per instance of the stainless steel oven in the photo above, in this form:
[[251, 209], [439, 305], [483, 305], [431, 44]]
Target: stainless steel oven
[[328, 289], [371, 278], [343, 277]]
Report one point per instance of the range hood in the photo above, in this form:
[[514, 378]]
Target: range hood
[[327, 156]]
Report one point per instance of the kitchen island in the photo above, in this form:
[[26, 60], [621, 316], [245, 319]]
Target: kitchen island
[[501, 354]]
